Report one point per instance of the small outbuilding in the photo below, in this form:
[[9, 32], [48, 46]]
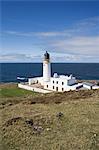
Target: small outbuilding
[[88, 85]]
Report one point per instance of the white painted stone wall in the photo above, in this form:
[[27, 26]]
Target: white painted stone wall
[[32, 81], [95, 87], [58, 84], [87, 86], [35, 80], [30, 88]]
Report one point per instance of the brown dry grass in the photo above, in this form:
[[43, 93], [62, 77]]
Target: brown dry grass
[[30, 122]]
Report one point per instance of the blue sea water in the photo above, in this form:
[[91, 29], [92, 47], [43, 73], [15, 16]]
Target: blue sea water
[[10, 71]]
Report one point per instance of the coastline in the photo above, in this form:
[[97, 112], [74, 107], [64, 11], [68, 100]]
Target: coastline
[[91, 81]]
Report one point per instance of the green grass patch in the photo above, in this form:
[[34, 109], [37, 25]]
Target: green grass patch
[[11, 94], [14, 92]]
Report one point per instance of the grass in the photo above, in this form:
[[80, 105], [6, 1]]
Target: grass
[[33, 122], [14, 91], [11, 94]]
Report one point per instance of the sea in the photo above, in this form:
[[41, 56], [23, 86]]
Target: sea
[[82, 71]]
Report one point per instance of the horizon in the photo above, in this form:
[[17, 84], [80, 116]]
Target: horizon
[[68, 30]]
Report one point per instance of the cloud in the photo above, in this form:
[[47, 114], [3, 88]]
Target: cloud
[[19, 58], [38, 34], [80, 43], [70, 57], [52, 34], [55, 57], [16, 33], [85, 26], [88, 22]]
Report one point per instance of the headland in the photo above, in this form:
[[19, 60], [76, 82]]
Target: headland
[[31, 120]]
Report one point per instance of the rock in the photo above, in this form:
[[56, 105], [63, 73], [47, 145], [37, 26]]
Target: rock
[[35, 127], [13, 120], [29, 122], [33, 102], [2, 103], [59, 115], [9, 104], [38, 129], [48, 129], [57, 102], [95, 134]]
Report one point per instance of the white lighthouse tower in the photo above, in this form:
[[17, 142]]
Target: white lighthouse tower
[[46, 67]]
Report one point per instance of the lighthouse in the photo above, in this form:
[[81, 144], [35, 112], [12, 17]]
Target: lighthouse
[[46, 67], [48, 83]]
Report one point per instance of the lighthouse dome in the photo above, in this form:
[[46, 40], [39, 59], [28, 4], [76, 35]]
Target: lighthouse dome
[[46, 55]]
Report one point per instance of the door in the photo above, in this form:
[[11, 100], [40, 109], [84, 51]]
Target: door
[[56, 88]]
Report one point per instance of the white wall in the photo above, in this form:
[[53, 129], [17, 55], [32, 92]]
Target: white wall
[[95, 87], [59, 85], [32, 80], [35, 80], [30, 88], [87, 86]]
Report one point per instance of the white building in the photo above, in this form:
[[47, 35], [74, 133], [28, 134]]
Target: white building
[[57, 82], [88, 85]]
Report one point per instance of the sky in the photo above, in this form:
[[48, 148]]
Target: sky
[[68, 30]]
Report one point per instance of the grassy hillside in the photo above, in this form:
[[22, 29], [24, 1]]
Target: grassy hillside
[[32, 121]]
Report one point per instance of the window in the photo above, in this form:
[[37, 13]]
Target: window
[[56, 88], [57, 82], [53, 87], [62, 83], [53, 81], [62, 89], [47, 86]]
